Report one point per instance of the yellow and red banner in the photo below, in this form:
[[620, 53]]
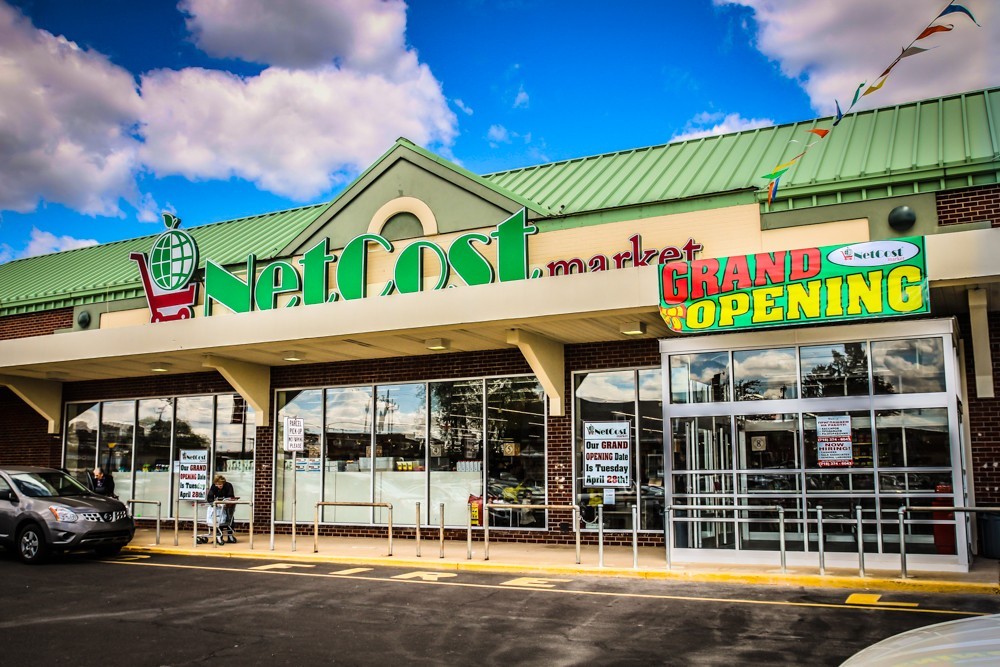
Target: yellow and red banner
[[796, 287]]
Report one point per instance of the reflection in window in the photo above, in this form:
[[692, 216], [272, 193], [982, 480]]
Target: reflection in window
[[152, 453], [114, 451], [515, 449], [767, 442], [839, 369], [650, 435], [306, 405], [348, 441], [843, 442], [400, 456], [908, 366], [456, 447], [764, 374], [702, 443], [916, 438], [81, 438], [699, 378]]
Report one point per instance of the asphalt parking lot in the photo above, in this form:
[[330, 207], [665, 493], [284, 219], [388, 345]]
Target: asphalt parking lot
[[158, 609]]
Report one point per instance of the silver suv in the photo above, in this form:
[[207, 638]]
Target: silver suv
[[43, 510]]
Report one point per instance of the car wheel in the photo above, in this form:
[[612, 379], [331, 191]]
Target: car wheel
[[109, 550], [31, 547]]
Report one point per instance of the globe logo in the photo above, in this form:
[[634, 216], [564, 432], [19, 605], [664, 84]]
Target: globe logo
[[173, 259]]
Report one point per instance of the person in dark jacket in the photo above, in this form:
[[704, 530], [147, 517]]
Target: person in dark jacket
[[104, 484], [222, 490]]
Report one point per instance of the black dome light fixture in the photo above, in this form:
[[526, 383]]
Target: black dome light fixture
[[902, 218], [83, 319]]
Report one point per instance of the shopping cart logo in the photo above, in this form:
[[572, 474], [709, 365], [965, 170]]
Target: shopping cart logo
[[166, 274]]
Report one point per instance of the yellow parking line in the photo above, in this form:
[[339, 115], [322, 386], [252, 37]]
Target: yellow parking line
[[535, 589]]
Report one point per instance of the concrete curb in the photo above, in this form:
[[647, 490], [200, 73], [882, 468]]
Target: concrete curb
[[880, 583]]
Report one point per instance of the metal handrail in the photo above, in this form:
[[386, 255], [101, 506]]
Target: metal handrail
[[504, 506], [133, 501], [347, 504], [903, 509], [668, 525]]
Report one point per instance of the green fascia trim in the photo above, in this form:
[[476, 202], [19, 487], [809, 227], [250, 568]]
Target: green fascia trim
[[643, 211]]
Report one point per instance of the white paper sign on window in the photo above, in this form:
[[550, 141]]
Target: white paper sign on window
[[834, 448], [295, 434], [192, 474], [607, 454]]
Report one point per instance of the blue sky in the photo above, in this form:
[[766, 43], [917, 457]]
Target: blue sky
[[112, 111]]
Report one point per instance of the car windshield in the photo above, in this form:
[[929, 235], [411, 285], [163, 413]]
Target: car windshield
[[48, 484]]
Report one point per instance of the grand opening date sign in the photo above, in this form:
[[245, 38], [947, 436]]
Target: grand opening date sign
[[607, 454]]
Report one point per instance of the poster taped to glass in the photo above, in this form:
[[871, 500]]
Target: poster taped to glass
[[834, 448], [607, 454]]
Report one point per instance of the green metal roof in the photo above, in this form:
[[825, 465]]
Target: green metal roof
[[921, 146], [916, 147], [103, 272]]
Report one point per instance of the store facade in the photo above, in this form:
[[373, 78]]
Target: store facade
[[436, 340]]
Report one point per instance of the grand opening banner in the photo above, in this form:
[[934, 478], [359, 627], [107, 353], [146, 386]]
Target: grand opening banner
[[793, 287]]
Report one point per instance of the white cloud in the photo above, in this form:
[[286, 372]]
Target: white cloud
[[467, 110], [521, 99], [708, 124], [294, 133], [498, 134], [66, 115], [77, 129], [831, 47], [43, 243], [366, 35]]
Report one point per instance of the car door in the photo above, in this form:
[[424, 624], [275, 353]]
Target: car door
[[8, 509]]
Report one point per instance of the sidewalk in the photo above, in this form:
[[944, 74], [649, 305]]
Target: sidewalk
[[559, 560]]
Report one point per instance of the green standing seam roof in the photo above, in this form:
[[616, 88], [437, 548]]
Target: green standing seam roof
[[923, 146], [104, 272]]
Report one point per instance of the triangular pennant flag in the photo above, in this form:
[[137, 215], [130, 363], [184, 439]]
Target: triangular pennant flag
[[840, 114], [772, 190], [821, 133], [776, 174], [857, 94], [951, 9], [872, 89], [933, 29], [912, 51]]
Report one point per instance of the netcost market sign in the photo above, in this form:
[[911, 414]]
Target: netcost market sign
[[807, 286]]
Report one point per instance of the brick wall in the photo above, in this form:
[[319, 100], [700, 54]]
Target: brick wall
[[970, 205], [35, 324], [984, 419], [24, 439]]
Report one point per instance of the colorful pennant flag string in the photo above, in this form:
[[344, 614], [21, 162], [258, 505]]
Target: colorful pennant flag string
[[907, 51]]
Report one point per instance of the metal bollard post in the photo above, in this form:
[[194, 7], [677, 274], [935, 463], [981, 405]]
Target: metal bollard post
[[390, 528], [781, 537], [635, 537], [468, 536], [600, 535], [316, 528], [576, 524], [902, 541], [441, 531], [418, 529], [861, 543], [486, 532], [668, 531], [177, 520], [194, 524], [819, 537]]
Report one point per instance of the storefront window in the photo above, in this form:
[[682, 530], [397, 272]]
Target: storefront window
[[348, 440], [606, 398], [651, 468], [114, 451], [234, 441], [152, 455], [908, 366], [838, 369], [838, 440], [303, 477], [765, 374], [400, 450], [915, 438], [82, 420], [699, 378], [515, 450], [456, 448], [769, 446]]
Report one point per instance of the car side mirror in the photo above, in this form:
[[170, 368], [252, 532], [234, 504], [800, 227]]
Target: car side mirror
[[8, 494]]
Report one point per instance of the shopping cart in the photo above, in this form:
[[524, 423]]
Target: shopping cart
[[218, 518]]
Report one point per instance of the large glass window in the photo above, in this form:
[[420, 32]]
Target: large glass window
[[515, 449], [699, 378], [837, 369], [400, 450], [82, 420], [456, 448], [114, 452], [348, 441], [234, 442], [651, 466], [908, 366], [765, 374], [152, 455], [306, 405]]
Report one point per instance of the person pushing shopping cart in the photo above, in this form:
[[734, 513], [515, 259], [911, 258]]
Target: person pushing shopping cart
[[221, 516]]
